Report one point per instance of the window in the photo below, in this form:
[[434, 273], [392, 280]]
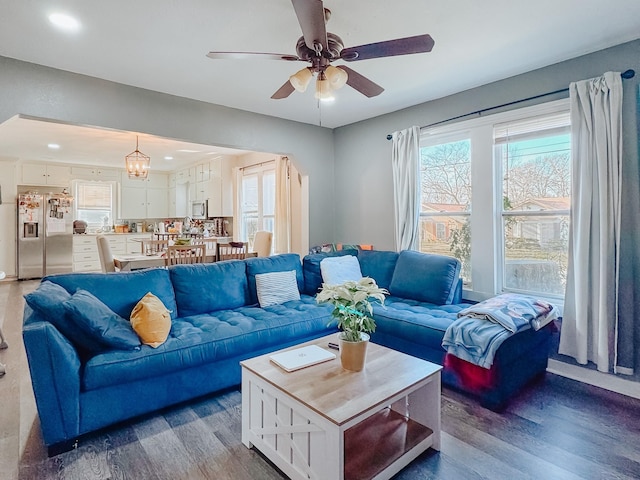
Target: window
[[94, 202], [445, 185], [535, 160], [257, 200], [496, 194]]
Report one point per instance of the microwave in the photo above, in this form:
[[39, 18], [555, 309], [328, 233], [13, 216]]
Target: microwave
[[199, 209]]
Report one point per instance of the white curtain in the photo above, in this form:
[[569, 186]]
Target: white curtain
[[590, 320], [405, 159], [282, 233]]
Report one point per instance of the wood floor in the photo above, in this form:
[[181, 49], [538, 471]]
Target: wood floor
[[557, 429]]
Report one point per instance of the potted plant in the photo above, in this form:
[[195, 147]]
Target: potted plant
[[353, 313]]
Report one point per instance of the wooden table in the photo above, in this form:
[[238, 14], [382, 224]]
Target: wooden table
[[323, 422], [129, 262]]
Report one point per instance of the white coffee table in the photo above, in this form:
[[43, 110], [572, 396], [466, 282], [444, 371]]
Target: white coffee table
[[323, 422]]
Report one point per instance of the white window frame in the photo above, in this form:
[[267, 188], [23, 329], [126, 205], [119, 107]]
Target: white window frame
[[259, 171], [114, 187], [486, 183]]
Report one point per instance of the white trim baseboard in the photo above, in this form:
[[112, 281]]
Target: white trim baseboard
[[595, 378]]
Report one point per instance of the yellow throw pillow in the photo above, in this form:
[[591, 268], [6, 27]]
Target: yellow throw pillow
[[151, 320]]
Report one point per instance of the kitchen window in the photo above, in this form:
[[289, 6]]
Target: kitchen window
[[94, 202]]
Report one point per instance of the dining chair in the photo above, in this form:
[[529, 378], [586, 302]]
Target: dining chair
[[231, 251], [183, 254], [104, 252], [210, 247], [154, 246], [262, 243]]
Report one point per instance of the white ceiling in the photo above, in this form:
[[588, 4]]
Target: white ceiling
[[161, 45], [28, 139]]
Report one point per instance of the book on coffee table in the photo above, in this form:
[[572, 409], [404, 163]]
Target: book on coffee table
[[302, 357]]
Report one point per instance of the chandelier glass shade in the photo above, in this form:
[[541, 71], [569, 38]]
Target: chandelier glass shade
[[137, 164]]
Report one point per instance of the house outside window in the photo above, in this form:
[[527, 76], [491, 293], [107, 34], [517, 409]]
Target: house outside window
[[94, 202], [514, 168]]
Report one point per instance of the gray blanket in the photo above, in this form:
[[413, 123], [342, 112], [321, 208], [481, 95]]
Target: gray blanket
[[480, 329]]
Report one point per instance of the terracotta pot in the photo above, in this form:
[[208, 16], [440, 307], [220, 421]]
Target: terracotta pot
[[353, 354]]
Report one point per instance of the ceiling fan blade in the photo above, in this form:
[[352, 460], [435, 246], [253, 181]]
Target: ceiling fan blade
[[284, 91], [252, 55], [361, 83], [389, 48], [311, 18]]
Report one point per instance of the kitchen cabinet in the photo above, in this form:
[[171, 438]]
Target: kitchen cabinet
[[95, 173], [43, 174], [147, 198], [85, 251]]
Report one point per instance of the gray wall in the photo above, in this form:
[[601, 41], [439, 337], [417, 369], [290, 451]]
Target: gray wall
[[39, 91], [364, 189]]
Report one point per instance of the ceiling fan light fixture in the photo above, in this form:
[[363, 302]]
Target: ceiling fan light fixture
[[137, 164], [336, 76], [300, 80], [324, 91]]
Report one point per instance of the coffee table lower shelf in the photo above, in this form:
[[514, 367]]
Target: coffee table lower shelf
[[379, 441]]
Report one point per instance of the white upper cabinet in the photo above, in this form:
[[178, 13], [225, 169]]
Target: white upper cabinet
[[95, 173], [43, 174]]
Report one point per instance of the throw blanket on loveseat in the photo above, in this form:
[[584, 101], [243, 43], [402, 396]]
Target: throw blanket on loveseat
[[480, 329]]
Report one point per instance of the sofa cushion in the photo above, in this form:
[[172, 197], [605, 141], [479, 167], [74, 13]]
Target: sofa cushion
[[311, 269], [379, 265], [338, 270], [97, 327], [151, 320], [274, 288], [121, 291], [208, 287], [275, 263], [425, 277], [206, 338], [414, 321]]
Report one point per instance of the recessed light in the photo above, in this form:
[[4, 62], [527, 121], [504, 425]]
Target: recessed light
[[186, 150], [53, 146], [168, 158], [65, 22]]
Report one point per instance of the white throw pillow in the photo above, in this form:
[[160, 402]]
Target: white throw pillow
[[337, 270], [274, 288]]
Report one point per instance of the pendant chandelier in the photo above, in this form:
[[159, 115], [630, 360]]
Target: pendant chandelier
[[137, 163]]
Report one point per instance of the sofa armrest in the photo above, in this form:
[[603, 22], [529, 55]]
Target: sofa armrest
[[54, 365]]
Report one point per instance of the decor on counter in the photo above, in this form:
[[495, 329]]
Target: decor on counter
[[354, 315], [137, 163]]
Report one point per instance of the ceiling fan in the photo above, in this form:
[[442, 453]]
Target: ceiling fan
[[320, 48]]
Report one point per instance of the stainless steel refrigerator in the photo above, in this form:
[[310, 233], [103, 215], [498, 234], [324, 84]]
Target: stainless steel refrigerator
[[45, 234]]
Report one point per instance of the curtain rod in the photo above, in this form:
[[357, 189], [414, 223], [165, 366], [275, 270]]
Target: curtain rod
[[626, 75]]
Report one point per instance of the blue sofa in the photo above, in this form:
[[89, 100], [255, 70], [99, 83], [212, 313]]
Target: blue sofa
[[216, 322]]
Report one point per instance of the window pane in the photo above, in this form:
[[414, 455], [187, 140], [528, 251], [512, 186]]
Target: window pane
[[93, 203], [448, 235], [445, 173], [269, 193], [445, 181], [536, 253], [250, 193], [537, 174]]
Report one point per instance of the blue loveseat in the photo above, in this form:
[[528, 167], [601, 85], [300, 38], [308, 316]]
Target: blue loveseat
[[216, 322]]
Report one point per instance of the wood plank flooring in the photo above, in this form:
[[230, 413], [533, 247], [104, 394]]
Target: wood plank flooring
[[556, 429]]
